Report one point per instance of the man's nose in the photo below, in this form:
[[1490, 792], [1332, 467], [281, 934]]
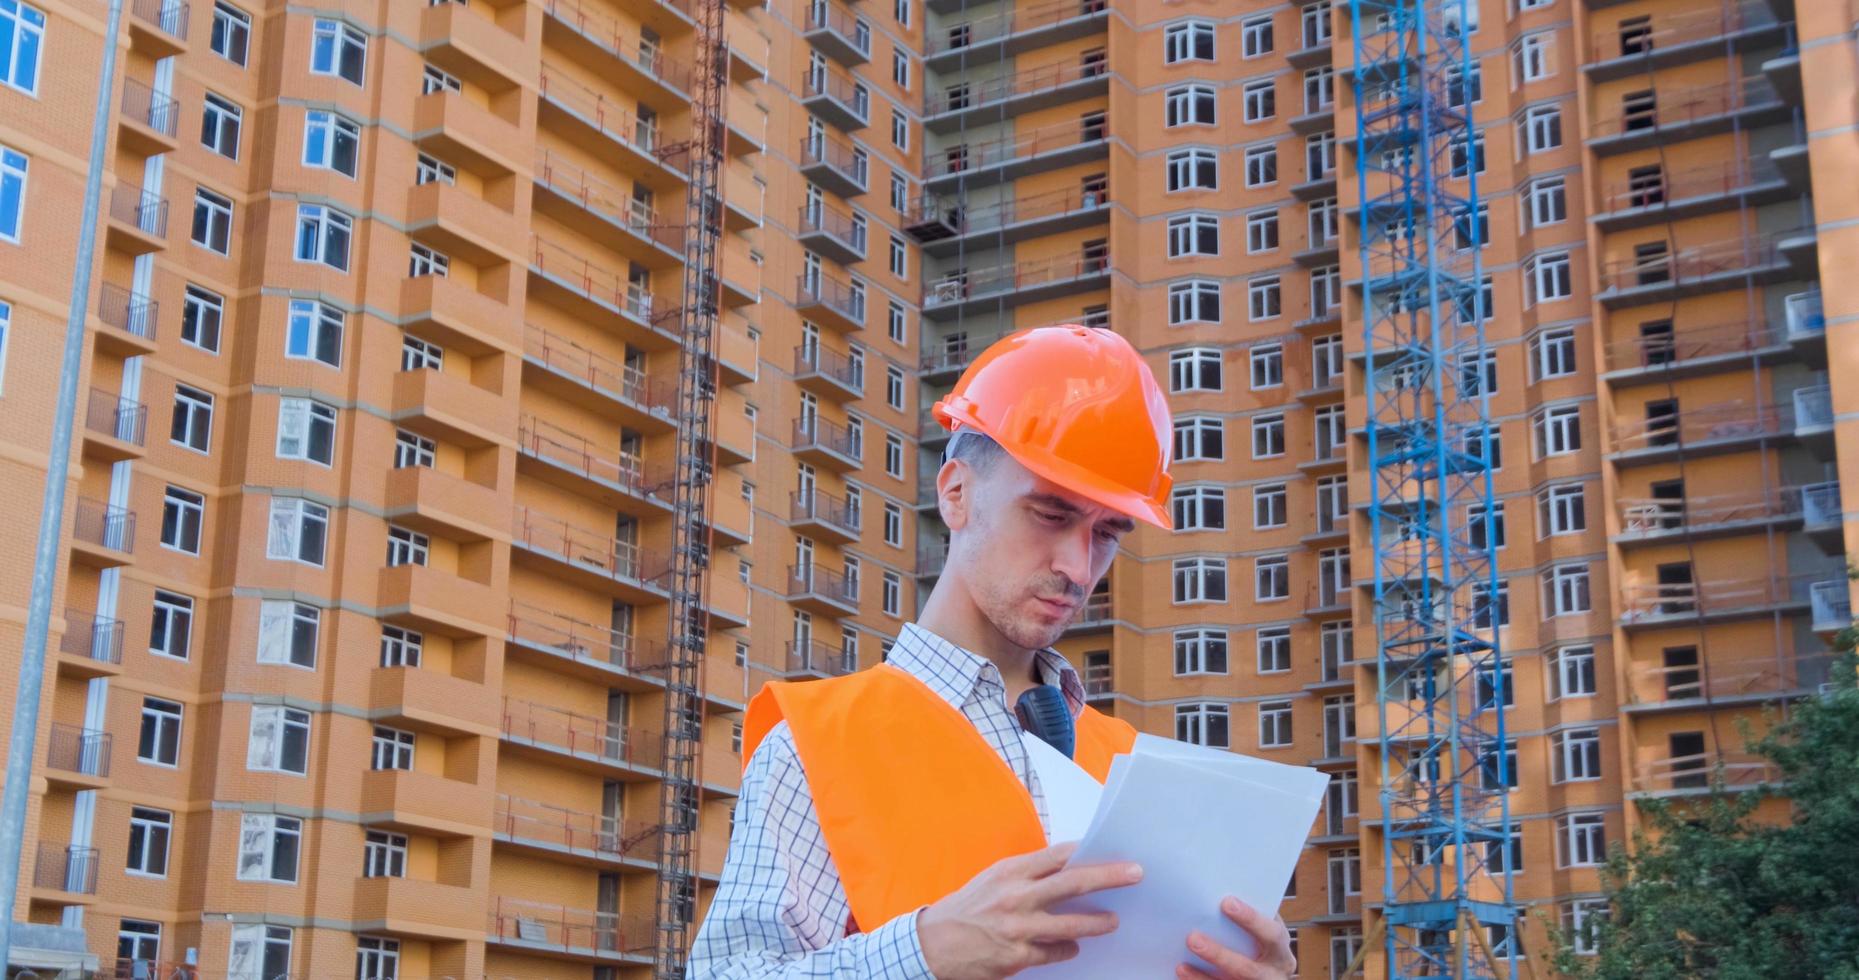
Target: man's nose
[[1072, 557]]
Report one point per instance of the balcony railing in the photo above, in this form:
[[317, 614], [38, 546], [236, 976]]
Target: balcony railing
[[818, 505], [1689, 772], [147, 107], [119, 418], [1832, 604], [611, 119], [92, 636], [1722, 422], [606, 32], [973, 156], [105, 526], [132, 313], [818, 216], [1739, 678], [1682, 27], [1696, 263], [1663, 600], [547, 629], [1805, 315], [814, 657], [576, 453], [824, 16], [1012, 211], [841, 88], [168, 16], [1096, 610], [819, 288], [66, 868], [587, 547], [1031, 17], [84, 751], [596, 282], [1028, 82], [535, 822], [582, 735], [1688, 106], [1643, 516], [815, 359], [815, 580], [817, 433], [1004, 279], [842, 157], [575, 183], [1704, 181], [538, 924], [1693, 343], [143, 210], [932, 561], [615, 379]]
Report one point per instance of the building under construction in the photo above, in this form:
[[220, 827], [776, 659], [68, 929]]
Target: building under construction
[[399, 312]]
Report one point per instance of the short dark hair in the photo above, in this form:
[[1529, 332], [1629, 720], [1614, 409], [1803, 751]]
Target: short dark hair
[[976, 448]]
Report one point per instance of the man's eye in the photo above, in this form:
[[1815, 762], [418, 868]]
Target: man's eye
[[1049, 516]]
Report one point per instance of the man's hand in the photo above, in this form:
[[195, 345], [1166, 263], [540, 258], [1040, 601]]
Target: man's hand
[[1274, 960], [998, 923]]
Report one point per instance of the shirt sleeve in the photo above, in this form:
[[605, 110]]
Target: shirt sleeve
[[780, 911]]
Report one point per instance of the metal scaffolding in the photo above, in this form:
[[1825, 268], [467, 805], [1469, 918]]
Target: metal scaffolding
[[1444, 810]]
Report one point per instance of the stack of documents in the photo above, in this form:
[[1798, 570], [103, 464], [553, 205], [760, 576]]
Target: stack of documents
[[1203, 823]]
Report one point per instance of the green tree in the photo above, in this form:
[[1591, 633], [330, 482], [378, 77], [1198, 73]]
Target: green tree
[[1707, 891]]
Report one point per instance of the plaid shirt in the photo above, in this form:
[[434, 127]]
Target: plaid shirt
[[781, 910]]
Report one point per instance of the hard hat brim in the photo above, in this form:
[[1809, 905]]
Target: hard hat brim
[[1072, 477]]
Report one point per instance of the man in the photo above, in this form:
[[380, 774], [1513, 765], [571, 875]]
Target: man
[[876, 834]]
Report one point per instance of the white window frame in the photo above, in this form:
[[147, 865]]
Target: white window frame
[[1258, 159], [1541, 129], [1271, 646], [289, 633], [231, 33], [1264, 298], [1194, 724], [166, 718], [1572, 673], [391, 749], [1271, 578], [384, 854], [406, 546], [1193, 369], [151, 836], [1275, 729], [1533, 58], [330, 42], [1270, 506], [186, 503], [1267, 363], [1196, 434], [1198, 508], [424, 260], [171, 625], [1199, 580], [290, 517], [1546, 202], [299, 420], [260, 835], [1258, 100], [325, 236], [1561, 508], [893, 456], [1184, 41], [1570, 751], [216, 113], [1557, 429], [891, 594], [1262, 231], [1201, 652], [1568, 590], [202, 310], [1552, 353], [1256, 37], [429, 169], [218, 208], [1581, 840], [1268, 436], [26, 20], [324, 133], [1193, 301], [893, 524], [1193, 235], [310, 320], [1193, 168], [193, 415], [269, 738], [1185, 104]]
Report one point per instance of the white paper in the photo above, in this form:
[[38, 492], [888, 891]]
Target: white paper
[[1204, 824], [1071, 794]]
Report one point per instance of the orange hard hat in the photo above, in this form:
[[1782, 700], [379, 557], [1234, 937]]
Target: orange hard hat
[[1077, 406]]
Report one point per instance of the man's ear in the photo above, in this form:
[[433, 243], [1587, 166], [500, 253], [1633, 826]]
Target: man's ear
[[955, 484]]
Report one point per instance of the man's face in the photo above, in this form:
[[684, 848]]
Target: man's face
[[1028, 551]]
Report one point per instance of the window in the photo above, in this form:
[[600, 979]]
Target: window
[[1583, 839], [1472, 229], [392, 749], [1259, 99], [1478, 372], [1193, 234], [1273, 646], [1531, 59], [287, 633], [306, 430], [182, 513], [1552, 353], [1268, 365], [1268, 506], [1200, 580], [429, 169], [331, 142], [219, 125], [192, 422], [1467, 157], [900, 130], [171, 624], [400, 647], [138, 940], [1505, 855], [1191, 41], [411, 449], [159, 741], [1490, 610], [1193, 169], [1485, 528], [1268, 436], [900, 9], [900, 258], [1565, 590], [1194, 369], [893, 525], [268, 847], [1326, 292], [202, 312], [212, 228], [323, 236], [1542, 129], [893, 456], [406, 547], [232, 31], [1575, 755], [1549, 277], [1264, 299], [1581, 921], [1571, 673], [297, 531], [420, 355], [1255, 37], [1274, 724], [1199, 438], [1200, 652], [1558, 431], [1319, 89], [1271, 578], [894, 324], [22, 37], [1489, 763], [1202, 724], [1463, 86], [900, 201], [337, 49], [1193, 301], [425, 261], [1189, 105], [1261, 231], [434, 80], [384, 855], [900, 68], [893, 593], [1561, 509], [1548, 201], [149, 831], [259, 952], [280, 740], [315, 332], [1492, 683], [1198, 508]]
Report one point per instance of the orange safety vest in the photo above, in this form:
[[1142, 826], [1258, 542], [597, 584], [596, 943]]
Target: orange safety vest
[[913, 802]]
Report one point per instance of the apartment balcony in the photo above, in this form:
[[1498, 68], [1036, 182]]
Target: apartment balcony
[[416, 908], [1317, 251], [468, 42], [1312, 51], [1316, 185], [150, 120], [1327, 599], [643, 66], [127, 322], [456, 316], [811, 658], [1832, 603], [158, 28], [1693, 775], [1722, 427], [65, 874], [600, 294], [138, 220], [818, 590], [1007, 96], [1785, 508], [559, 833], [573, 934], [426, 500], [460, 223], [601, 125], [834, 165], [1637, 203], [1713, 267], [591, 653], [1667, 604], [977, 165], [91, 646], [1682, 37], [437, 601], [835, 32], [837, 98], [1691, 351], [933, 437], [737, 356], [822, 443], [745, 122], [944, 227], [1095, 617], [830, 302], [1006, 286], [828, 373], [415, 801], [1724, 683], [115, 428], [748, 55], [615, 389], [589, 558], [996, 37], [102, 536], [447, 406], [77, 758], [451, 127], [930, 563], [571, 461], [951, 357], [822, 516], [1688, 114], [1318, 116], [583, 741], [836, 234]]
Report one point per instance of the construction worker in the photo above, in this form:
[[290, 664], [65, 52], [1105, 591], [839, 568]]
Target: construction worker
[[892, 822]]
